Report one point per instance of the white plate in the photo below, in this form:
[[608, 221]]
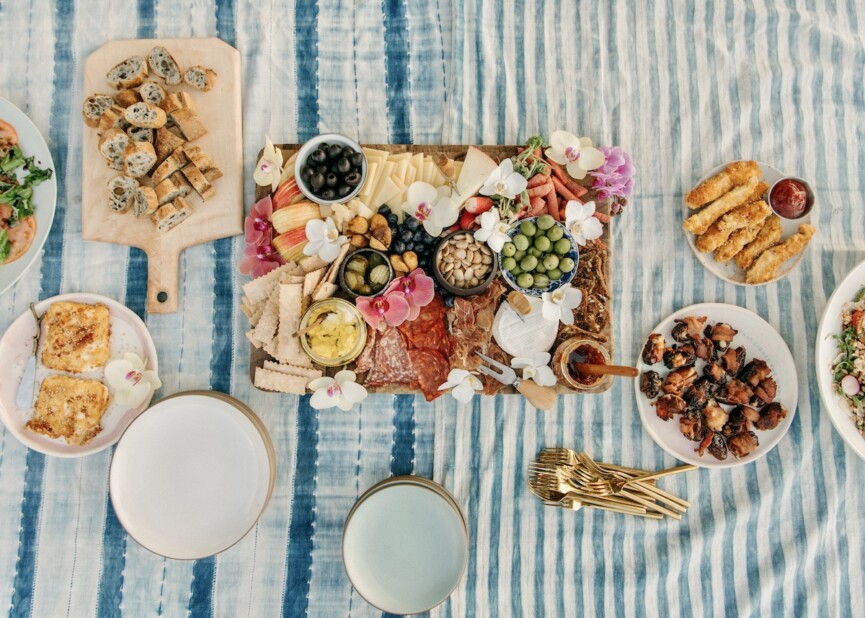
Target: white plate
[[191, 475], [760, 341], [826, 351], [405, 545], [729, 271], [128, 334], [44, 195]]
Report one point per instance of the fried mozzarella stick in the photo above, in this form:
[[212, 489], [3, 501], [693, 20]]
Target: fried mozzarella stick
[[769, 236], [737, 173], [700, 222], [747, 215], [766, 266], [737, 241]]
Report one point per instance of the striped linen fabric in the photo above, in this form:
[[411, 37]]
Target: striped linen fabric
[[683, 87]]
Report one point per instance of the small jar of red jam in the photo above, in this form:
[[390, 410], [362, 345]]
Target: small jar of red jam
[[791, 198], [577, 350]]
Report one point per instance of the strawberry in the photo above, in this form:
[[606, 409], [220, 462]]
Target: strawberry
[[478, 204]]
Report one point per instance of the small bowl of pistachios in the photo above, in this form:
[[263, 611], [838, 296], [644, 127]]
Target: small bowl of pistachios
[[366, 272], [463, 265]]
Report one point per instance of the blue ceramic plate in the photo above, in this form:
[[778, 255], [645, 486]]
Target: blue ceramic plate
[[565, 279]]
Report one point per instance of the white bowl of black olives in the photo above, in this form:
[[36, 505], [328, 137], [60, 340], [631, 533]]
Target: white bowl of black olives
[[330, 169]]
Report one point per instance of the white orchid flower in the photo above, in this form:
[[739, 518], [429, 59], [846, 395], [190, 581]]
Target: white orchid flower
[[130, 381], [559, 305], [536, 367], [576, 153], [504, 181], [433, 207], [324, 239], [268, 170], [581, 222], [493, 230], [341, 391], [464, 385]]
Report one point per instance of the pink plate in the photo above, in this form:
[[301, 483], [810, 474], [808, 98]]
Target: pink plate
[[128, 334]]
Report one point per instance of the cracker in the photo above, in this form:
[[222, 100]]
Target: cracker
[[294, 370], [291, 278], [324, 290], [279, 382], [259, 289], [250, 334], [312, 263], [256, 316], [265, 330], [247, 311], [288, 346]]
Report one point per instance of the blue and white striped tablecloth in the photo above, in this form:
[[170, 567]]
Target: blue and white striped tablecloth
[[683, 86]]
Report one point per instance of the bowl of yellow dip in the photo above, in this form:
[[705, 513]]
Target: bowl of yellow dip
[[338, 335]]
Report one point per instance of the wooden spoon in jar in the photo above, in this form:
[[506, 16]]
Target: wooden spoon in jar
[[592, 369], [318, 320]]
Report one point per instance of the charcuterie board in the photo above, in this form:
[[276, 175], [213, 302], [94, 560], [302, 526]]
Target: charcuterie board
[[593, 277], [219, 110]]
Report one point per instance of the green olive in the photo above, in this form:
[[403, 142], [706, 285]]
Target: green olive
[[528, 263], [545, 222], [509, 249], [516, 271], [566, 265], [521, 242], [509, 263], [535, 252], [525, 280], [528, 228], [555, 233], [540, 268], [562, 246], [551, 261], [541, 281], [554, 274], [519, 255], [542, 243]]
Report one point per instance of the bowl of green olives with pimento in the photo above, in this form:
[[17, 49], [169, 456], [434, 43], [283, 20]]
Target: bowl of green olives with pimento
[[541, 256], [330, 169]]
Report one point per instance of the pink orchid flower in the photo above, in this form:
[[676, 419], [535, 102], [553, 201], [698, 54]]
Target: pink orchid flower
[[257, 224], [417, 288], [391, 309], [260, 259]]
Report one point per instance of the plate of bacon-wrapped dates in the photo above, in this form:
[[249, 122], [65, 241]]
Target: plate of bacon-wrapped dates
[[717, 386]]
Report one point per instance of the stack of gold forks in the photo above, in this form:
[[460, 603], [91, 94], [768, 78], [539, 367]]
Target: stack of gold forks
[[565, 478]]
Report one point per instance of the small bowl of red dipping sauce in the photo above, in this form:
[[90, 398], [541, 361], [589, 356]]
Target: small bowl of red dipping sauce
[[791, 198], [578, 350]]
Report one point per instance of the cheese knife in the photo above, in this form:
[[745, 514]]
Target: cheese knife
[[27, 386]]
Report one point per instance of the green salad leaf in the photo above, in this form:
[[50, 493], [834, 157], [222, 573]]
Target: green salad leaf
[[13, 160], [5, 246], [19, 196]]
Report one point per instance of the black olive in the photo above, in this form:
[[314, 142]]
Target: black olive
[[347, 151], [343, 165], [356, 159], [343, 190], [353, 179], [305, 172], [316, 181], [318, 156], [333, 151], [331, 179], [323, 169], [328, 194], [398, 247]]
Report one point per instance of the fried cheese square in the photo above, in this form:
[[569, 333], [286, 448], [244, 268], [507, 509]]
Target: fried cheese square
[[76, 336], [69, 408]]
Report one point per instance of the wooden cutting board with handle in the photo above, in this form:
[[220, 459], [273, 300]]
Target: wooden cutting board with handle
[[220, 111]]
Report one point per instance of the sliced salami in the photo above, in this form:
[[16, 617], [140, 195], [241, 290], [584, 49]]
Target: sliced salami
[[392, 362], [432, 369]]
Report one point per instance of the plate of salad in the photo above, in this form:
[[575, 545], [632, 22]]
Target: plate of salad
[[840, 359], [28, 193]]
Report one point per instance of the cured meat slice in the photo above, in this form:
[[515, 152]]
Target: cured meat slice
[[428, 330], [364, 361], [470, 321], [392, 362], [432, 369]]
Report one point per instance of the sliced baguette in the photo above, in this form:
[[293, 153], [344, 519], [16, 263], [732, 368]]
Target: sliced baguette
[[144, 202], [172, 163], [112, 118], [171, 103], [200, 77], [189, 124], [121, 192], [171, 214], [146, 115], [163, 65], [199, 182], [186, 100], [112, 145], [125, 98], [167, 141], [151, 92], [172, 187], [128, 74], [138, 159], [197, 156], [212, 173], [94, 106], [140, 134]]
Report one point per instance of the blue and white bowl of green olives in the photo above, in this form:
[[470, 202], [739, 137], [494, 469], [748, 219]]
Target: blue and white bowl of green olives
[[330, 169], [540, 257]]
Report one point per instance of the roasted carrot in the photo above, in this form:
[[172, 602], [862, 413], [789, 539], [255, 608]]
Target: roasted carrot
[[566, 179], [553, 205], [537, 206], [541, 190], [562, 190], [602, 217], [537, 179]]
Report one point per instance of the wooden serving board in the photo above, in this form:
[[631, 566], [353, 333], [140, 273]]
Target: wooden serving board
[[457, 152], [220, 216]]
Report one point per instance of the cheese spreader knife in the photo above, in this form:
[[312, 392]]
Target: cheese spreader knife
[[27, 386]]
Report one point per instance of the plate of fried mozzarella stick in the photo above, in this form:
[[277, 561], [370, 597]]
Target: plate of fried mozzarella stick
[[748, 223]]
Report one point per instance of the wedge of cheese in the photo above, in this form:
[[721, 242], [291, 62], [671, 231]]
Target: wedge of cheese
[[477, 168]]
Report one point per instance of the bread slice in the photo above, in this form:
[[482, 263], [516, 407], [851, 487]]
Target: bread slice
[[128, 74], [171, 103], [112, 145], [197, 156], [172, 187], [186, 100], [200, 77], [163, 65], [167, 141], [172, 163], [189, 124], [140, 134], [94, 106], [69, 408], [121, 192], [112, 118], [138, 159], [145, 115], [151, 92], [212, 173], [144, 202], [125, 98], [171, 214], [199, 182]]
